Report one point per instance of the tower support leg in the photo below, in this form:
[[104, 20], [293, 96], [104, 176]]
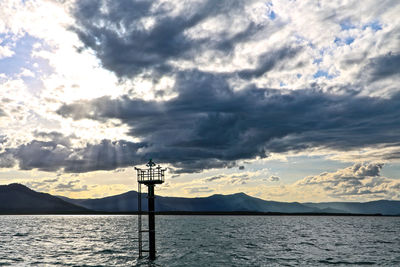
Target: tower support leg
[[152, 233], [140, 219]]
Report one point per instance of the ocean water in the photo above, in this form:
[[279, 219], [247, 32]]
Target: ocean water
[[103, 240]]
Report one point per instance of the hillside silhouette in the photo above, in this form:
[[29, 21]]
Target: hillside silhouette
[[19, 199]]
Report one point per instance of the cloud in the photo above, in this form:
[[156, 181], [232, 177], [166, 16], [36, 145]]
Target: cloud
[[54, 136], [53, 156], [247, 38], [238, 179], [233, 179], [210, 125], [6, 160], [268, 61], [2, 113], [44, 185], [359, 180], [3, 139], [130, 37], [50, 180], [214, 178], [274, 178], [201, 189], [6, 51], [383, 67], [26, 73], [223, 59], [71, 186], [46, 156], [360, 170]]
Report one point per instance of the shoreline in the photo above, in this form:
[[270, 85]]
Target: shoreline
[[201, 213]]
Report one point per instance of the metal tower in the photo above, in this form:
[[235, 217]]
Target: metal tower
[[149, 177]]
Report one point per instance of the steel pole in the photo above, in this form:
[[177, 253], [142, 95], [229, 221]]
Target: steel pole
[[152, 233]]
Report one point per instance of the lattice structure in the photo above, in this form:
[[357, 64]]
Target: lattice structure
[[149, 177]]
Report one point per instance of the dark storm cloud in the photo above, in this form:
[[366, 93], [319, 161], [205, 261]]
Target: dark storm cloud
[[268, 61], [383, 67], [56, 137], [117, 32], [210, 125], [6, 160], [46, 156], [193, 163], [51, 156], [107, 155]]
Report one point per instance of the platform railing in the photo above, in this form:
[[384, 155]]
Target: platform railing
[[156, 174]]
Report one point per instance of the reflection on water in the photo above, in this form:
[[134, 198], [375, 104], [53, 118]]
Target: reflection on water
[[102, 240]]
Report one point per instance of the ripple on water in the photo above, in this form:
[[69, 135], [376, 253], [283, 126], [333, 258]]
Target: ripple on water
[[330, 261], [20, 234], [100, 240]]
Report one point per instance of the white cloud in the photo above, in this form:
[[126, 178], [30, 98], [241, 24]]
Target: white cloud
[[26, 73], [360, 181], [5, 52], [338, 40]]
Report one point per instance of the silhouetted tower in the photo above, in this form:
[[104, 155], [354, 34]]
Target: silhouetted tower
[[149, 177]]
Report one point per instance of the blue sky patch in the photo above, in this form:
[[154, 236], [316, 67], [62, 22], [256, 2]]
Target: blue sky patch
[[22, 57], [374, 25], [347, 25], [5, 39], [349, 40], [321, 73], [272, 15], [345, 41], [317, 60]]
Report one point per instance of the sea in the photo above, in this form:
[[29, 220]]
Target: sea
[[111, 240]]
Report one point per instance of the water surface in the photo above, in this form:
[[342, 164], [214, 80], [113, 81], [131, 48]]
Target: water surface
[[110, 240]]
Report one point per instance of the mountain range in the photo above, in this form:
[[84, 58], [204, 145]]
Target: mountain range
[[17, 198]]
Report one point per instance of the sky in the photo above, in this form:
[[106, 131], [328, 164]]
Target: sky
[[283, 100]]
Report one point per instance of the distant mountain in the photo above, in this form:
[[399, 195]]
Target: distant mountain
[[19, 199], [224, 203], [385, 207], [127, 202]]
